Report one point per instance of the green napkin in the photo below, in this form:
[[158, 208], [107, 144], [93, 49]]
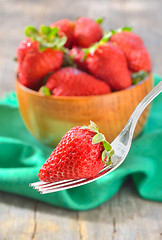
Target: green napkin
[[21, 156]]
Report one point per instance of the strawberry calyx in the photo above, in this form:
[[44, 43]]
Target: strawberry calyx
[[45, 91], [46, 37], [108, 35], [138, 76], [103, 40], [99, 20], [98, 138]]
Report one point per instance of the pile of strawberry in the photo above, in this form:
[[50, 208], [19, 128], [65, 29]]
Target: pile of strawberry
[[77, 59]]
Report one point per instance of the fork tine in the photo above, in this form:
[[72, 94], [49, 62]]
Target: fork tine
[[64, 187], [37, 183], [45, 188], [48, 184]]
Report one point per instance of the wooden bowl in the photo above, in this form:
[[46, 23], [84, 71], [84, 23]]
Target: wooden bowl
[[48, 118]]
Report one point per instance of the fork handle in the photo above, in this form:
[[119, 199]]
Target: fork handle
[[143, 104]]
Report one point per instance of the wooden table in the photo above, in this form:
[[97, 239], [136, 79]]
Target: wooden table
[[126, 216]]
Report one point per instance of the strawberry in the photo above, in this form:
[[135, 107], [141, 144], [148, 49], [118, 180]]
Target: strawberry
[[66, 27], [70, 81], [25, 46], [134, 50], [36, 65], [77, 55], [107, 62], [38, 55], [86, 32], [82, 153]]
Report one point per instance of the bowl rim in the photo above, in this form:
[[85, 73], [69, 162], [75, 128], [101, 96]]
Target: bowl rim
[[35, 93]]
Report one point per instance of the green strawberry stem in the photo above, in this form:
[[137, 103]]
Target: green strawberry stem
[[45, 91], [46, 37], [108, 35], [103, 40], [138, 76], [99, 137]]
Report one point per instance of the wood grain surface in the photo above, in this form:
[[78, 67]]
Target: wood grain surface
[[126, 216]]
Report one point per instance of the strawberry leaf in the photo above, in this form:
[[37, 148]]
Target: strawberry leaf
[[106, 158], [107, 146], [89, 50], [138, 76], [99, 20], [98, 138], [85, 127], [46, 37], [103, 40], [45, 29], [127, 29], [45, 91], [108, 35], [86, 52], [31, 31], [104, 155], [92, 127]]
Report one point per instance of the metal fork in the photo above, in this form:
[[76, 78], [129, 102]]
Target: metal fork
[[120, 145]]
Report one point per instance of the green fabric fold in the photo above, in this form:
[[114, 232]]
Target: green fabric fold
[[21, 157]]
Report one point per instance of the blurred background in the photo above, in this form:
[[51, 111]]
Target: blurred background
[[144, 15], [122, 217]]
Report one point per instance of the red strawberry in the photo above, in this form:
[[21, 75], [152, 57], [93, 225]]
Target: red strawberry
[[26, 45], [134, 50], [108, 63], [86, 32], [82, 153], [77, 55], [38, 64], [35, 64], [67, 27], [70, 81]]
